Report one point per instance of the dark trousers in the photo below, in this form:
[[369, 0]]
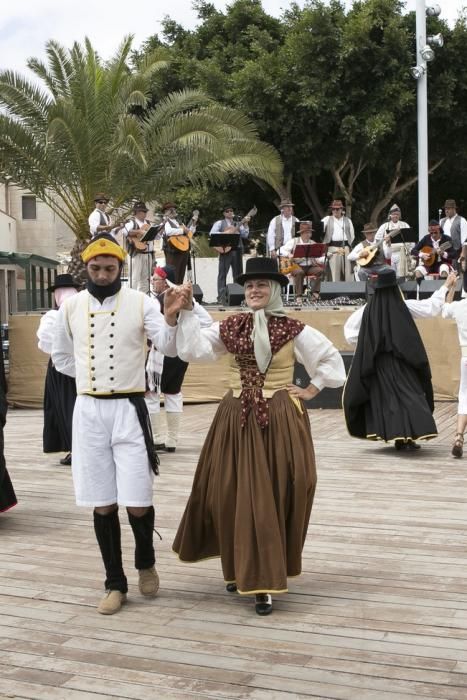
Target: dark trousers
[[179, 260], [226, 261]]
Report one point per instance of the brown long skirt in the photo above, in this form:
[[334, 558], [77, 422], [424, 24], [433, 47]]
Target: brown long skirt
[[252, 495]]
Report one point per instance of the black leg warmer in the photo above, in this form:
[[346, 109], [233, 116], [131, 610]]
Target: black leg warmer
[[143, 529], [107, 529]]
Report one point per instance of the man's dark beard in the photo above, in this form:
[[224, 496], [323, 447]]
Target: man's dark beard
[[102, 291]]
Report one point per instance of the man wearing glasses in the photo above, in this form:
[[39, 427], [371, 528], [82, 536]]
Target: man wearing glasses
[[99, 221], [338, 235]]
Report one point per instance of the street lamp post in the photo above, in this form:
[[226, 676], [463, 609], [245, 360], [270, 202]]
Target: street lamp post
[[422, 123], [424, 54]]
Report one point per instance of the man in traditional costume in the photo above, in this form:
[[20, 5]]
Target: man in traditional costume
[[339, 235], [60, 389], [434, 253], [100, 339], [396, 253], [254, 485], [281, 228], [141, 254]]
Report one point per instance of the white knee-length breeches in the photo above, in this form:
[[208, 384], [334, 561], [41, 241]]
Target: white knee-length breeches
[[110, 463], [462, 407]]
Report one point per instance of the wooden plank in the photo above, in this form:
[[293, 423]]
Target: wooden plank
[[380, 612]]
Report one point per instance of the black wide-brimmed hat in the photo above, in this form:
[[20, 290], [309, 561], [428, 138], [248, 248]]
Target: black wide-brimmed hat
[[262, 269], [61, 281], [386, 278]]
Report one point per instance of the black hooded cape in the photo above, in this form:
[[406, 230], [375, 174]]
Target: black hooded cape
[[388, 393], [7, 493]]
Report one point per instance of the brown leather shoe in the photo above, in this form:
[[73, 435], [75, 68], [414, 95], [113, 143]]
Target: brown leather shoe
[[111, 602], [458, 446], [148, 582]]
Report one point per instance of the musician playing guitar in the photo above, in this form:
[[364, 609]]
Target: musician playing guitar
[[177, 240], [230, 257], [301, 267], [369, 256], [141, 254], [434, 252]]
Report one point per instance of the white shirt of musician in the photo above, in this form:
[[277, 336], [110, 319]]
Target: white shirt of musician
[[355, 252], [94, 220], [338, 233], [288, 227], [389, 226], [447, 227], [288, 248], [134, 224]]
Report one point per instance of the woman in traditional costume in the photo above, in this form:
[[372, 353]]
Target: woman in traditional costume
[[60, 389], [388, 394], [254, 485], [7, 492]]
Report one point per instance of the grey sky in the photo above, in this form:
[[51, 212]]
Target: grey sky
[[26, 25]]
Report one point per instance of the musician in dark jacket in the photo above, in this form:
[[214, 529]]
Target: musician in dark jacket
[[229, 257], [434, 252]]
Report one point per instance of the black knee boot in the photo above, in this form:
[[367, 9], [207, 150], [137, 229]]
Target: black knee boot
[[143, 529], [107, 529]]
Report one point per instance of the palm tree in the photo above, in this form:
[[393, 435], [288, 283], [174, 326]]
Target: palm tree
[[90, 128]]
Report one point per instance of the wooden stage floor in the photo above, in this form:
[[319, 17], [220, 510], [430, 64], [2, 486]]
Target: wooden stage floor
[[380, 612]]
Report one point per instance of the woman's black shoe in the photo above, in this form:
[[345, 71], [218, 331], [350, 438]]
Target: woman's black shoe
[[231, 587], [66, 461], [160, 446], [263, 604]]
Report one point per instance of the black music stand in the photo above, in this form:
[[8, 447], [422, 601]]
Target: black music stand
[[405, 235], [152, 233], [224, 240]]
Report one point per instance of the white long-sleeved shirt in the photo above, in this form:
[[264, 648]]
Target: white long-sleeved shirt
[[355, 252], [288, 249], [94, 220], [134, 225], [447, 227], [288, 227], [155, 328], [423, 308], [457, 310], [389, 226], [320, 358], [338, 233], [243, 229], [46, 331]]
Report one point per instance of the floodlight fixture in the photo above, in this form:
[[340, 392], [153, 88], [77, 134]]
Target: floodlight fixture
[[433, 10], [436, 40], [427, 53], [418, 71]]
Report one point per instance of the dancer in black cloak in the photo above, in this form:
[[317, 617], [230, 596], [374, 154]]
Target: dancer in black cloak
[[60, 389], [388, 394], [7, 492]]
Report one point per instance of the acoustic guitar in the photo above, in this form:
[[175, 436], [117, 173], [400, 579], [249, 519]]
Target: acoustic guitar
[[235, 229], [182, 243], [374, 248], [137, 236], [434, 253]]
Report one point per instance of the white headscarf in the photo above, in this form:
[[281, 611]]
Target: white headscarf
[[260, 335]]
